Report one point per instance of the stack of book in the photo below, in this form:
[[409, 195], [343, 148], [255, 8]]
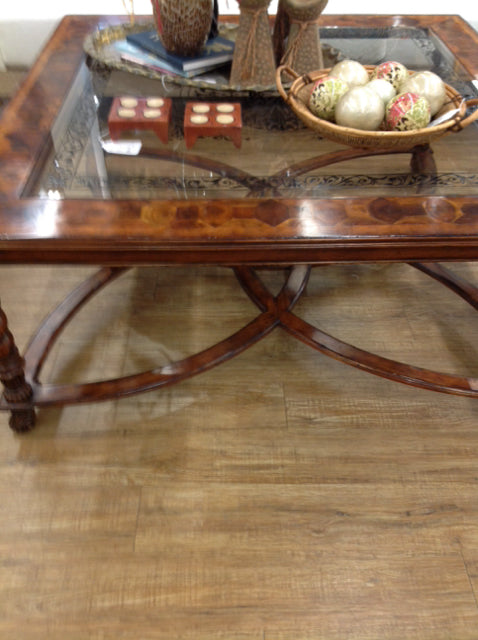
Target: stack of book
[[146, 49]]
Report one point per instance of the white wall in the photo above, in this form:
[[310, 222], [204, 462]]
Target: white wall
[[26, 24], [2, 62]]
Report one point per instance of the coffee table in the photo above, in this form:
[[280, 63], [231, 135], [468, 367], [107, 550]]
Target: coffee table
[[285, 199]]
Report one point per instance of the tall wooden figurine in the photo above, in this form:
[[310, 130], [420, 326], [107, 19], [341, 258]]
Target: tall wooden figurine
[[281, 32], [303, 52], [253, 63]]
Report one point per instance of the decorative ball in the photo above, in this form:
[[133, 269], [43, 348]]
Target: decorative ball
[[325, 95], [407, 111], [394, 72], [428, 85], [382, 88], [360, 108], [351, 72]]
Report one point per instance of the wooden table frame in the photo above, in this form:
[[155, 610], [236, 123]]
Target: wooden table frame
[[123, 240]]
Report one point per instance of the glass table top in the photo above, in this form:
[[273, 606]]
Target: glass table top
[[277, 150]]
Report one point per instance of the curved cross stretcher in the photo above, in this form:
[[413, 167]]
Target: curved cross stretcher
[[275, 311]]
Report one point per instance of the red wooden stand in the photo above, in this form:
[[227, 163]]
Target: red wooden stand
[[204, 119], [133, 114]]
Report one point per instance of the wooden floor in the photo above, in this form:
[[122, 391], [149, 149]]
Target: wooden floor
[[280, 496]]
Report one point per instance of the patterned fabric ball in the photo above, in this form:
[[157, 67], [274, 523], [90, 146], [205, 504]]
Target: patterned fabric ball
[[394, 72], [407, 111], [325, 95]]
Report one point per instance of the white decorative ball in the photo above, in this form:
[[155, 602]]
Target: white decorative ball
[[383, 88], [351, 72], [428, 85], [360, 108]]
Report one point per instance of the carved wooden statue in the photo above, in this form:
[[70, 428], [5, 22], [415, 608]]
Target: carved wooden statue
[[303, 52], [253, 63]]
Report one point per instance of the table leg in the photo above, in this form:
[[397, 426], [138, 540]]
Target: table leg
[[12, 376], [422, 160]]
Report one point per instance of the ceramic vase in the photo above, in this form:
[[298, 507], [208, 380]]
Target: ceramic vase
[[183, 25], [253, 63]]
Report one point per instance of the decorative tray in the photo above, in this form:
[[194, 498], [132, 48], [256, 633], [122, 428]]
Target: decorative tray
[[452, 118], [102, 49]]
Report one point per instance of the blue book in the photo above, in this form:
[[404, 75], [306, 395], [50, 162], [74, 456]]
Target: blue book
[[135, 55], [216, 51]]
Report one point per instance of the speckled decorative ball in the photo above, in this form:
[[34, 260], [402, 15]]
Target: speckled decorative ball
[[407, 112], [394, 72], [383, 88], [351, 72], [325, 94], [428, 85], [360, 108]]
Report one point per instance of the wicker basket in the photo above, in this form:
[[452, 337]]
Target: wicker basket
[[297, 96]]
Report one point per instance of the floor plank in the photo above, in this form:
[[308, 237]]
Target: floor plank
[[281, 495]]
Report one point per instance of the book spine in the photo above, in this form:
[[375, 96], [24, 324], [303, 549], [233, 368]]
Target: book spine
[[146, 65]]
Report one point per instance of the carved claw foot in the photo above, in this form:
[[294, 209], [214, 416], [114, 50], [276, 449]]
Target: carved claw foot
[[22, 420]]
